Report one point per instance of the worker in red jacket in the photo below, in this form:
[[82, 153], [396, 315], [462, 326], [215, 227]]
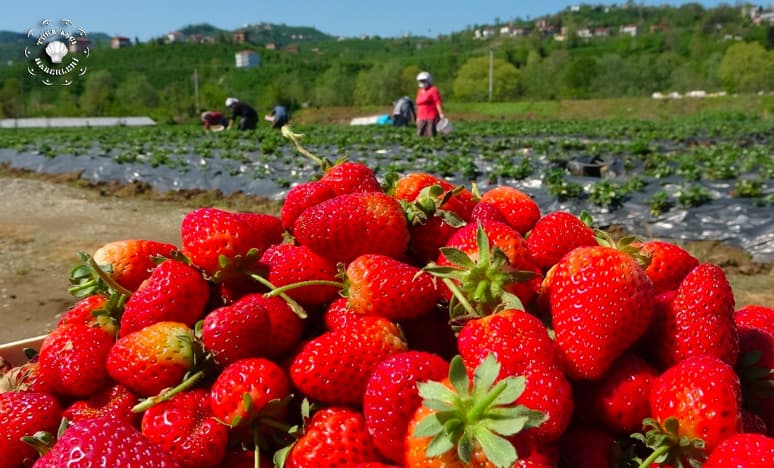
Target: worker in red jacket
[[429, 110]]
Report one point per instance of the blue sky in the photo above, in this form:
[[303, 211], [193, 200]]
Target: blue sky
[[388, 18]]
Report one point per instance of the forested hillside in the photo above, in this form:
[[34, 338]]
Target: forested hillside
[[583, 52]]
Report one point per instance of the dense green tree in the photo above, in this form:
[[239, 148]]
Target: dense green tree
[[11, 98], [137, 92], [577, 77], [747, 67], [472, 83], [98, 93], [378, 85], [334, 87]]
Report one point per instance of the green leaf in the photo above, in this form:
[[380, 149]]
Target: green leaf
[[498, 450], [458, 376], [457, 257], [485, 374], [436, 391], [482, 241], [430, 425], [439, 445], [514, 387], [465, 447]]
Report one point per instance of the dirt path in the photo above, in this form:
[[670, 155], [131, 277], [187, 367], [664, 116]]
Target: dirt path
[[45, 223]]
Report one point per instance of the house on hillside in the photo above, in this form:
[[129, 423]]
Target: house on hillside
[[239, 37], [118, 42], [271, 46], [247, 59], [486, 33], [175, 36], [79, 46], [659, 27], [200, 39], [601, 32], [291, 48], [584, 33], [628, 29]]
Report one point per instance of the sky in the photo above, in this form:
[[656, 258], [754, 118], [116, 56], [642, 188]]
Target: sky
[[146, 19]]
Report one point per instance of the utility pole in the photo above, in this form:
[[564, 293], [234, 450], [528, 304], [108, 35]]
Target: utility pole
[[196, 89], [491, 73]]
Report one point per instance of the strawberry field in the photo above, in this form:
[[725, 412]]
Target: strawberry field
[[422, 303], [684, 180]]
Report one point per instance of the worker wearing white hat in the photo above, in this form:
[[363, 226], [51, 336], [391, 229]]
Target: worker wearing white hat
[[428, 102], [248, 118]]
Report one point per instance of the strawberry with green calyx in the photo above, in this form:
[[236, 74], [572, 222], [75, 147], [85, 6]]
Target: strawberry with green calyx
[[174, 292], [335, 366], [414, 189], [464, 422], [287, 264], [481, 276], [131, 261], [601, 303], [114, 400], [89, 278], [669, 264], [694, 405], [22, 415], [185, 427], [346, 226], [431, 225], [555, 234], [105, 442]]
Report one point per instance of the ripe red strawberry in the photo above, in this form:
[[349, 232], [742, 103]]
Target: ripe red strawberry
[[386, 287], [94, 311], [334, 367], [698, 399], [391, 398], [288, 263], [334, 437], [185, 427], [344, 227], [601, 303], [230, 332], [175, 292], [698, 320], [301, 197], [410, 187], [114, 401], [131, 261], [669, 264], [743, 450], [228, 245], [152, 359], [554, 235], [617, 401], [24, 378], [756, 316], [257, 380], [23, 414], [482, 274], [73, 359], [428, 237], [487, 211], [586, 447], [754, 367], [521, 211], [521, 344], [351, 177], [337, 315], [482, 418], [105, 442]]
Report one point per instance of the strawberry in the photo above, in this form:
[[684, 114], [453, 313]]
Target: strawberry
[[185, 427], [301, 197], [521, 211], [95, 311], [380, 285], [488, 264], [484, 211], [428, 237], [110, 401], [24, 378], [351, 177], [468, 421], [743, 450], [601, 303], [23, 414], [130, 262], [335, 367], [669, 264], [695, 405], [245, 388], [175, 292], [554, 235], [752, 422], [334, 437], [288, 263], [391, 398], [342, 228], [618, 401], [105, 442], [431, 333], [698, 320], [152, 359], [73, 359], [520, 342], [754, 367], [337, 315], [410, 187], [756, 316], [228, 245]]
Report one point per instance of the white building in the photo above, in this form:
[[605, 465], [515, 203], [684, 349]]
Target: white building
[[247, 59]]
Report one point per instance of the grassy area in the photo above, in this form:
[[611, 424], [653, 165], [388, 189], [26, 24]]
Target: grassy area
[[589, 109]]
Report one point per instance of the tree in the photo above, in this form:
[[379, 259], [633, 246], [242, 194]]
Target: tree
[[98, 93], [11, 98], [136, 91], [747, 67], [334, 87], [472, 83], [578, 76], [380, 84], [408, 80]]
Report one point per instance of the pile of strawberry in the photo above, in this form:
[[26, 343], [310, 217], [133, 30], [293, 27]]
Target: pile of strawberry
[[421, 325]]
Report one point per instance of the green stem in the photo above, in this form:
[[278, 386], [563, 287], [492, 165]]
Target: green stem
[[108, 279], [475, 413], [256, 452], [293, 137], [168, 394], [460, 297], [653, 456], [294, 306]]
